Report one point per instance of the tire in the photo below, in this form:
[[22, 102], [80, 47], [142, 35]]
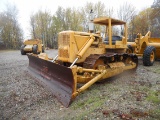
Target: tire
[[35, 48], [22, 50], [149, 56], [129, 49], [42, 49]]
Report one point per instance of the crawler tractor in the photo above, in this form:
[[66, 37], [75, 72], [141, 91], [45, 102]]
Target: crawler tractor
[[146, 47], [83, 57], [32, 46]]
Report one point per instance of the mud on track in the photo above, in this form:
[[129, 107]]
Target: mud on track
[[127, 96]]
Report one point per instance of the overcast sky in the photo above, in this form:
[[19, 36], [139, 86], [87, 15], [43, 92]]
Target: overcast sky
[[28, 7]]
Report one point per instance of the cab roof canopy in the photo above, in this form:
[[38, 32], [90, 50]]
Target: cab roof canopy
[[105, 21]]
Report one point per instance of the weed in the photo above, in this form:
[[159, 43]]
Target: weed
[[155, 113], [96, 103], [156, 70], [154, 97]]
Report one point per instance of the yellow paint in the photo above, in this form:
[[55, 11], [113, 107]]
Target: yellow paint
[[29, 45], [141, 42], [78, 46]]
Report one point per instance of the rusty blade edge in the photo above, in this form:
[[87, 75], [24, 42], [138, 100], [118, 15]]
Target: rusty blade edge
[[56, 78]]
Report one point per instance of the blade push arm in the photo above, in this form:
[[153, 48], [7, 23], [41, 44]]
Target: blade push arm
[[83, 49]]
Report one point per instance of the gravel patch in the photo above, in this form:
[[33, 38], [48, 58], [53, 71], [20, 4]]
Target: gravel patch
[[129, 96]]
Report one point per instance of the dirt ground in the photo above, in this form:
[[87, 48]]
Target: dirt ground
[[127, 96]]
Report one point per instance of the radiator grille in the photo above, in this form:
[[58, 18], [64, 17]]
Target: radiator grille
[[64, 40]]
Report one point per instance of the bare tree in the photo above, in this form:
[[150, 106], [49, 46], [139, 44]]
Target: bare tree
[[140, 23], [33, 26], [110, 12], [11, 33], [40, 23], [155, 18], [126, 12]]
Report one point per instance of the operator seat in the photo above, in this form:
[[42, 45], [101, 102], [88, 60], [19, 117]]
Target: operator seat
[[114, 39]]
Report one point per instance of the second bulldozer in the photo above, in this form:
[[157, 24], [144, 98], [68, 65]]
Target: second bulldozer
[[32, 46], [83, 57]]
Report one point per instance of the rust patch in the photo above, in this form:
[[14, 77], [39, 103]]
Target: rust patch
[[56, 78]]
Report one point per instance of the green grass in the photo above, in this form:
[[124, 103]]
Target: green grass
[[92, 104], [154, 96], [155, 113], [156, 70], [88, 102], [87, 99], [144, 88]]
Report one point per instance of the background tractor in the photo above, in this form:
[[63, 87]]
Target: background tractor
[[146, 47], [83, 57], [32, 46]]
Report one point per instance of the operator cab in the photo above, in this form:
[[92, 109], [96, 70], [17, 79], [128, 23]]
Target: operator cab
[[113, 41]]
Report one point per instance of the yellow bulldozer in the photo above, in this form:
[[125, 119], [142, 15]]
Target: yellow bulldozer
[[32, 46], [83, 57], [146, 47]]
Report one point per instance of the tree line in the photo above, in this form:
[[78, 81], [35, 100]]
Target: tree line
[[11, 34], [146, 20], [45, 26]]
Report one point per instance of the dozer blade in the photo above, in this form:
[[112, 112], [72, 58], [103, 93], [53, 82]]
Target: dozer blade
[[56, 78]]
